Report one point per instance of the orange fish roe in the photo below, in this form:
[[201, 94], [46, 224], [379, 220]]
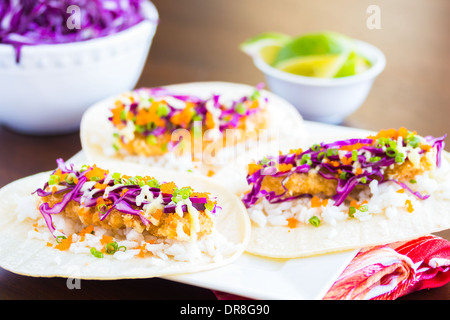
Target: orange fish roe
[[106, 239], [316, 202], [401, 191], [96, 173], [88, 230], [145, 116], [409, 206], [292, 222], [64, 244], [100, 186], [295, 151], [116, 119], [284, 167], [168, 187], [157, 214], [253, 167], [392, 133], [352, 147], [184, 117], [346, 161], [209, 120]]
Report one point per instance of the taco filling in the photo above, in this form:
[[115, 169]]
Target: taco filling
[[118, 206], [145, 119], [354, 178]]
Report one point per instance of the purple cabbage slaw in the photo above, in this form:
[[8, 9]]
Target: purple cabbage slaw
[[122, 196], [36, 22], [372, 168], [229, 117]]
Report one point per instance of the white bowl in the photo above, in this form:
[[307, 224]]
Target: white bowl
[[51, 87], [325, 100]]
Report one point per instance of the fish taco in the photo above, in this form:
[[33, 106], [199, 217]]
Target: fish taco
[[197, 126], [104, 223], [390, 186]]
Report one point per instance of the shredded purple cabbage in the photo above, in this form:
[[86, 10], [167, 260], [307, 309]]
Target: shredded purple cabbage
[[122, 196], [35, 22], [373, 156]]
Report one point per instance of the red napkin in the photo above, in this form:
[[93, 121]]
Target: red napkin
[[389, 271]]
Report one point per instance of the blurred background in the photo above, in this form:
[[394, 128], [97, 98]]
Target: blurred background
[[198, 40]]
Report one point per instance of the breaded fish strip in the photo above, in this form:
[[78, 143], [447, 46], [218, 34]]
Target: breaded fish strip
[[313, 183], [170, 225]]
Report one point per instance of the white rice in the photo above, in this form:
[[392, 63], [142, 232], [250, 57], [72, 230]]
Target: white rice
[[381, 199]]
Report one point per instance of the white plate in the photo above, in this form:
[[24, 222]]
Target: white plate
[[277, 279]]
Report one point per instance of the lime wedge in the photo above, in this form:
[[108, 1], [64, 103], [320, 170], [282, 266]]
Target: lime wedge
[[314, 44], [266, 45], [355, 64], [319, 66]]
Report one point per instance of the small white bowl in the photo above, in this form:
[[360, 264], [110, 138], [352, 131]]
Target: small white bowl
[[52, 86], [325, 100]]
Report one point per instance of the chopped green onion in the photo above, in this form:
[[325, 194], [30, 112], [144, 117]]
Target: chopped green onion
[[351, 211], [355, 155], [151, 139], [113, 247], [96, 253], [413, 181], [391, 152], [102, 208], [153, 183], [54, 179], [413, 141], [315, 221], [70, 178], [116, 175], [321, 156], [139, 128], [59, 238], [264, 161], [375, 159], [306, 158], [315, 147], [343, 175], [181, 194], [240, 108], [163, 110], [400, 158], [123, 115], [364, 208], [332, 152], [364, 179], [209, 206]]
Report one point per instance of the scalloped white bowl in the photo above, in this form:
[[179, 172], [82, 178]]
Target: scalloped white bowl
[[52, 86], [325, 100]]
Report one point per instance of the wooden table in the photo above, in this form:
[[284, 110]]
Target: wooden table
[[197, 40]]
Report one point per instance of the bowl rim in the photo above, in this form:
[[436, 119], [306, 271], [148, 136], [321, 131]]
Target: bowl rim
[[151, 17], [372, 72]]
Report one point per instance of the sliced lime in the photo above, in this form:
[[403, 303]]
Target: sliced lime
[[314, 44], [319, 66], [355, 64], [266, 45]]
